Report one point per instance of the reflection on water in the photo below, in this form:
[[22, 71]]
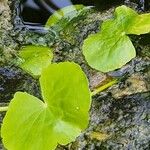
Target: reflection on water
[[36, 12]]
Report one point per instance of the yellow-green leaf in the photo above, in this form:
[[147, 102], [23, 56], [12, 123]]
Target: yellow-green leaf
[[111, 48], [32, 124], [35, 58]]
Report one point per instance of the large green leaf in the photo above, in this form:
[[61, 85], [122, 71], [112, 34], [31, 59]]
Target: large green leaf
[[109, 53], [35, 58], [31, 124], [110, 49]]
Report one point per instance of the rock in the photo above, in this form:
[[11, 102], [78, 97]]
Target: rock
[[7, 44], [126, 121], [135, 78], [136, 83], [12, 80], [97, 79]]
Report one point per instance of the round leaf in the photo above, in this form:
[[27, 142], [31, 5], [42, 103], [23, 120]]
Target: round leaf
[[31, 124], [111, 48], [108, 53], [123, 17], [27, 124], [35, 58], [69, 93]]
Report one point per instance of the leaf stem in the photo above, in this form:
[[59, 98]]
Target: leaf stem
[[101, 88], [3, 109]]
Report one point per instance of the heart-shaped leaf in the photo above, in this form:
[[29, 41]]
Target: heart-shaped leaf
[[111, 48], [106, 54], [35, 58], [31, 124]]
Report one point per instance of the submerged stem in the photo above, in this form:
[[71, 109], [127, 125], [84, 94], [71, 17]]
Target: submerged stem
[[4, 108], [101, 88]]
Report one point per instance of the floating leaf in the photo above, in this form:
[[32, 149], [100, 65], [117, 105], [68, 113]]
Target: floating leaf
[[111, 48], [35, 58], [31, 124]]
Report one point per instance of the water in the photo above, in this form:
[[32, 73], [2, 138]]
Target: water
[[36, 12]]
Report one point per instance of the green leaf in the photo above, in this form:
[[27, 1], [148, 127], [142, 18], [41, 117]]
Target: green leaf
[[110, 49], [31, 124], [109, 53], [140, 25], [35, 58], [123, 16], [68, 13]]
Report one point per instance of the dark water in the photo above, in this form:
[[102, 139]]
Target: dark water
[[36, 12]]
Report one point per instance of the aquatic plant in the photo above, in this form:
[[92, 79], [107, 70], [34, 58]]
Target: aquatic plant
[[32, 124], [111, 48], [107, 50], [33, 59]]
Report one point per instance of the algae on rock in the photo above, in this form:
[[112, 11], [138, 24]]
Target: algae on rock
[[7, 43]]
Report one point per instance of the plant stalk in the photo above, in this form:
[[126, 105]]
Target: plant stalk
[[102, 88]]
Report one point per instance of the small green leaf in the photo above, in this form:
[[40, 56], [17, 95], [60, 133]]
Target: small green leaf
[[123, 16], [110, 49], [35, 58], [31, 124], [68, 13], [140, 25]]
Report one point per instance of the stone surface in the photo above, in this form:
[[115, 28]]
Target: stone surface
[[7, 43], [123, 122]]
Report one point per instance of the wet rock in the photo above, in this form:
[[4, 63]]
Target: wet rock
[[140, 5], [27, 35], [134, 84], [86, 23], [96, 80], [135, 78], [7, 44], [126, 121], [12, 80]]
